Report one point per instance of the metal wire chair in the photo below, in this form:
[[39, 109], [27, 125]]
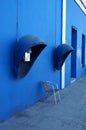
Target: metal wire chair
[[52, 87]]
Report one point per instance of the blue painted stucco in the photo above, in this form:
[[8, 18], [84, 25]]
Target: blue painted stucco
[[36, 17], [75, 19]]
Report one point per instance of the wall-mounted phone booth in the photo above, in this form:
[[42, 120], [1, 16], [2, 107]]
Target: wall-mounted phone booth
[[26, 52], [60, 55]]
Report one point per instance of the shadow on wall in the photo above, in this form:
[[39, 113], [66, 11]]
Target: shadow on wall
[[11, 65]]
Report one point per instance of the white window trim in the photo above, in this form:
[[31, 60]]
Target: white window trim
[[82, 5]]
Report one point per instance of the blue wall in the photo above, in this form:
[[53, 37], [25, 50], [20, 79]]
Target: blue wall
[[38, 17], [77, 19], [41, 18]]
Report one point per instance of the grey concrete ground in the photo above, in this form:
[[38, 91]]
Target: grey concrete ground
[[70, 114]]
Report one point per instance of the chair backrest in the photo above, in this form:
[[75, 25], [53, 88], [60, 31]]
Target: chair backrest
[[45, 86]]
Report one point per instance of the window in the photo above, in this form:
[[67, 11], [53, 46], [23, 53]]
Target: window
[[83, 51]]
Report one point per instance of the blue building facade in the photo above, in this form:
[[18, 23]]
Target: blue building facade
[[47, 20]]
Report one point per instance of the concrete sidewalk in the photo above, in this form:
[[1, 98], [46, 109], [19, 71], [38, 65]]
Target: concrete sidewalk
[[70, 114]]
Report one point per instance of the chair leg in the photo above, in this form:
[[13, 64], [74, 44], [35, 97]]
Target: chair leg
[[59, 97], [55, 96]]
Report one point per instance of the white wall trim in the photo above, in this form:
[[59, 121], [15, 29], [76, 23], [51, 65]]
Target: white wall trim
[[63, 41], [82, 5], [64, 22]]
